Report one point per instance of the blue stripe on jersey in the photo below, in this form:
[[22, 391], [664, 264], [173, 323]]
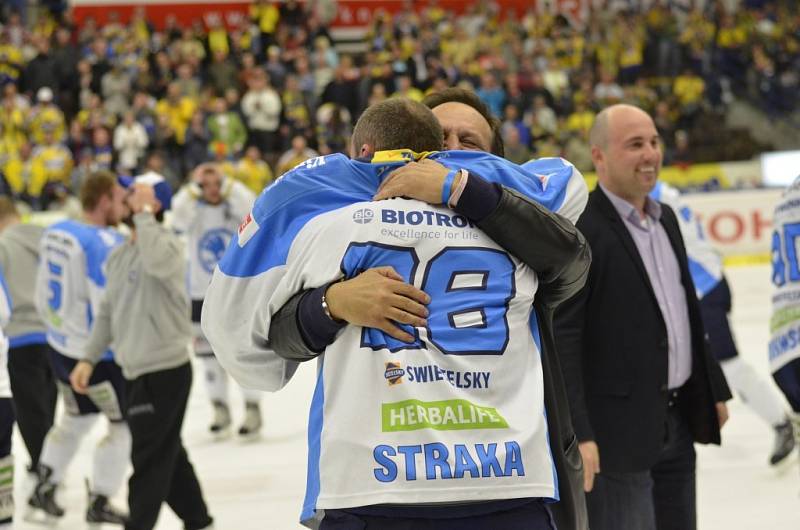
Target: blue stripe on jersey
[[27, 339], [537, 339], [324, 184], [704, 282], [314, 441], [97, 244]]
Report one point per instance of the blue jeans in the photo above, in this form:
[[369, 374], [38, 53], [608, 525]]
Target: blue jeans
[[661, 498]]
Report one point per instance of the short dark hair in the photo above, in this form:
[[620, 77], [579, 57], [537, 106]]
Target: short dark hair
[[96, 186], [398, 123], [471, 99], [7, 208]]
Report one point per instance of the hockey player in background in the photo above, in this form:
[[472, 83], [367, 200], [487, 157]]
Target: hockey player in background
[[32, 383], [705, 266], [69, 284], [6, 415], [784, 345], [208, 211]]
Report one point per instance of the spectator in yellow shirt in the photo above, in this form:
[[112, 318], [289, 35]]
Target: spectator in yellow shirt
[[266, 15], [581, 120], [688, 89], [15, 165], [297, 154], [46, 117], [218, 40], [252, 171], [177, 109], [51, 164], [405, 90]]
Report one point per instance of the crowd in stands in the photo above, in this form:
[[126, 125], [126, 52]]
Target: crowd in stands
[[272, 91]]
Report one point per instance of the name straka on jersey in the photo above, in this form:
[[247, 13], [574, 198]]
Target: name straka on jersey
[[442, 462]]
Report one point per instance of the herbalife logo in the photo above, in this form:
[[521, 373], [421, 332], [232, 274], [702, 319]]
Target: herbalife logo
[[363, 216]]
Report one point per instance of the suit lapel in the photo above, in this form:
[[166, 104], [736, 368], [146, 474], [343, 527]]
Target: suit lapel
[[617, 224]]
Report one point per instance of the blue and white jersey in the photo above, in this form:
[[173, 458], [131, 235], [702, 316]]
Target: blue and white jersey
[[71, 280], [5, 318], [208, 228], [784, 344], [432, 436], [705, 263], [564, 179]]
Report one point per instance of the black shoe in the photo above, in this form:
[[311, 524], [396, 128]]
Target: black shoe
[[101, 511], [784, 443], [44, 494]]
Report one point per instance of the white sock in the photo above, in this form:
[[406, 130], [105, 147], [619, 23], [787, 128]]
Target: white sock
[[62, 442], [216, 380], [111, 458], [755, 391]]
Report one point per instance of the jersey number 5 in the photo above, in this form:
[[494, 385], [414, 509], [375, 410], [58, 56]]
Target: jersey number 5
[[55, 286], [470, 289]]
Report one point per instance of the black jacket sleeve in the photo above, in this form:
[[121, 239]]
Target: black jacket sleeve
[[546, 242]]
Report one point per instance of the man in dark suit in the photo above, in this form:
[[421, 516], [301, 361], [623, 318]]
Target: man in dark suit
[[641, 384]]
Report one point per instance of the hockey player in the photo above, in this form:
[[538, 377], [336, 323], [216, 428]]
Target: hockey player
[[208, 210], [784, 345], [32, 382], [144, 316], [705, 266], [311, 236], [6, 415], [69, 284]]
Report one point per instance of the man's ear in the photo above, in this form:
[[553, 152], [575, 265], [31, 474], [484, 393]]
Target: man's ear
[[365, 151]]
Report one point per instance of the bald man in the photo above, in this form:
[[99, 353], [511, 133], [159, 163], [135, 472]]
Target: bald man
[[641, 383]]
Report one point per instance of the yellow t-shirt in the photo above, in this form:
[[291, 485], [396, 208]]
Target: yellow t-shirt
[[49, 163], [254, 175], [179, 115], [267, 17]]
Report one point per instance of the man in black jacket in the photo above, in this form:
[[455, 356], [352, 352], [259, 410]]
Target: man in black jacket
[[641, 382], [513, 222]]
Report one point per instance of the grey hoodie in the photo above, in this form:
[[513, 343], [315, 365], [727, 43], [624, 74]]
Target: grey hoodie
[[144, 314], [19, 259]]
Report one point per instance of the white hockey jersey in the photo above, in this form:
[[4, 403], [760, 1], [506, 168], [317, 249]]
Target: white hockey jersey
[[71, 280], [208, 228], [456, 416], [298, 236], [705, 263], [784, 344], [5, 318]]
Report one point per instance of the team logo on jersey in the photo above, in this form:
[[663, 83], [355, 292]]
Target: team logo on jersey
[[247, 229], [363, 216], [394, 373], [212, 246]]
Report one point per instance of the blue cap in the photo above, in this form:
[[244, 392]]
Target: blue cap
[[160, 186]]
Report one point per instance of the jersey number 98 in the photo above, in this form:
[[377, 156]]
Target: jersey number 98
[[470, 289]]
